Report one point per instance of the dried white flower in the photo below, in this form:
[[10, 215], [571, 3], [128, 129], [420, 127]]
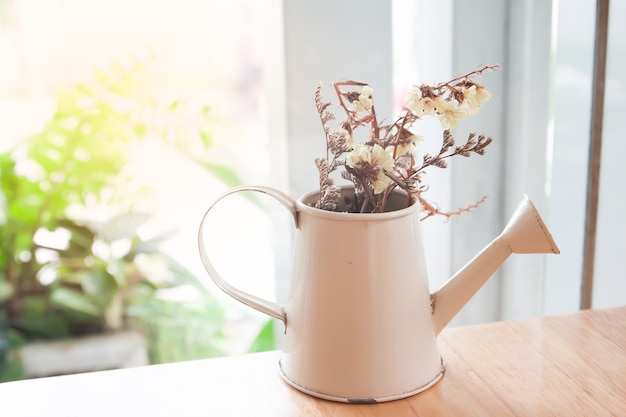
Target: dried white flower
[[365, 100], [359, 156], [473, 98], [403, 149], [384, 162], [418, 104], [449, 113], [377, 157], [372, 164]]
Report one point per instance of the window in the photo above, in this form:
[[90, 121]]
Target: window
[[256, 65], [539, 115]]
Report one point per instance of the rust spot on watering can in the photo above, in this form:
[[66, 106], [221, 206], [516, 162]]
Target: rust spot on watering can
[[361, 400]]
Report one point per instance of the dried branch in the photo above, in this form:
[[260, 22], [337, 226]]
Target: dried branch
[[329, 192], [376, 172], [325, 116], [465, 79], [433, 210]]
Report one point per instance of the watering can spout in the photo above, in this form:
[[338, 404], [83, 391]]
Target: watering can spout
[[524, 233]]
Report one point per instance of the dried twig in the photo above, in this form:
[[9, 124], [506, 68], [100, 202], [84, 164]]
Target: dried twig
[[374, 181]]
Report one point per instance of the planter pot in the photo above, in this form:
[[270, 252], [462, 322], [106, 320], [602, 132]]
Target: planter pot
[[122, 349]]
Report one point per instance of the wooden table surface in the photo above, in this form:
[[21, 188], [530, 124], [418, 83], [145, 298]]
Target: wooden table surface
[[570, 365]]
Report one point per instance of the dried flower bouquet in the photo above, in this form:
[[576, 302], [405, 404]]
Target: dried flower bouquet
[[386, 159]]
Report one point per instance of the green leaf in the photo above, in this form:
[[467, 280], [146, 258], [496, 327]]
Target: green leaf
[[221, 172], [183, 275], [174, 105], [206, 137], [73, 300], [205, 111], [83, 89], [6, 290], [124, 226], [33, 306], [12, 370], [81, 239], [140, 129], [265, 339], [16, 340], [150, 245], [100, 286], [36, 321]]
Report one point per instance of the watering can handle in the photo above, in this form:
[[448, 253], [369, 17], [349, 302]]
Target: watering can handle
[[264, 306]]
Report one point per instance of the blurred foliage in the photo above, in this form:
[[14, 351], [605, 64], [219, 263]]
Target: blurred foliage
[[181, 330], [265, 339], [93, 274]]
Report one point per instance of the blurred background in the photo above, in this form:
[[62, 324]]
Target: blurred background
[[122, 121]]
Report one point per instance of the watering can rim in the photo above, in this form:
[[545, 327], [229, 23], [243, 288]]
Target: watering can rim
[[303, 204]]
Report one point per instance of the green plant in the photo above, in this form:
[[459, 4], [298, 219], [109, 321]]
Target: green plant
[[63, 273]]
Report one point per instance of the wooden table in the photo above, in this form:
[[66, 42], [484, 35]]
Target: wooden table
[[571, 365]]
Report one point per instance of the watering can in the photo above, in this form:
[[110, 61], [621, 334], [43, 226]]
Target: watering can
[[361, 324]]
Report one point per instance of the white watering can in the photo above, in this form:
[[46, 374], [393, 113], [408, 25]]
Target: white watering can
[[360, 322]]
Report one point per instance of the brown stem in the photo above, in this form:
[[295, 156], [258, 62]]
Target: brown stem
[[355, 121], [468, 75], [369, 197]]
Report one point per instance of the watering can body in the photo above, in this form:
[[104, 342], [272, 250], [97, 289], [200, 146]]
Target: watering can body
[[361, 323]]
